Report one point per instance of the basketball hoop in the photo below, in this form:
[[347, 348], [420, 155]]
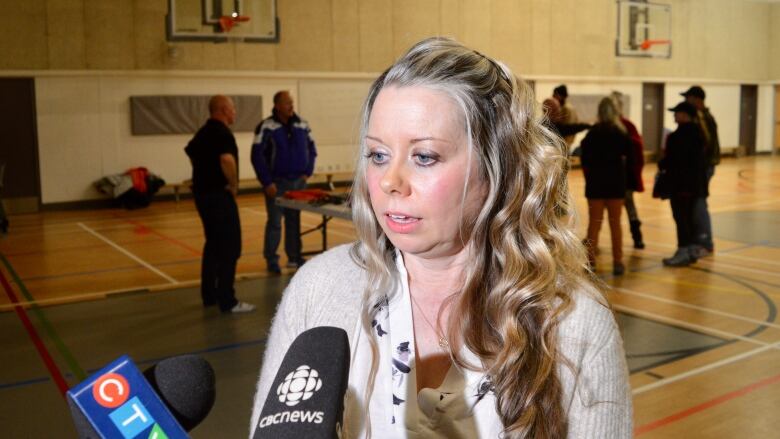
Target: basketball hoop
[[226, 22]]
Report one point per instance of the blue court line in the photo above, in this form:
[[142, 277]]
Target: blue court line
[[149, 361]]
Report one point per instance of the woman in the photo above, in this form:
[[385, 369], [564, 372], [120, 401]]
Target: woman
[[466, 302], [606, 155], [634, 181]]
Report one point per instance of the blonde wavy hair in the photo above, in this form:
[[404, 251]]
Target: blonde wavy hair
[[609, 112], [527, 260]]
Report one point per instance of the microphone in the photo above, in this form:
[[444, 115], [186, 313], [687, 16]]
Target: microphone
[[306, 398], [118, 402]]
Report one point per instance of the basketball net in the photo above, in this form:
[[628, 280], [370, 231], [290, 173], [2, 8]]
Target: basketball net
[[647, 44], [226, 22]]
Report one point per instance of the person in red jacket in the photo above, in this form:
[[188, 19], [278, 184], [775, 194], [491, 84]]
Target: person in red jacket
[[634, 174]]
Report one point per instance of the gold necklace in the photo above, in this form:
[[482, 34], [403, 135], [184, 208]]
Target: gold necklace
[[443, 343]]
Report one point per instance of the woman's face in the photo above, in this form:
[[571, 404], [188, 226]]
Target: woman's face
[[418, 163]]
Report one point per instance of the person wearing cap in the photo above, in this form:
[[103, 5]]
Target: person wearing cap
[[701, 215], [562, 116], [561, 113], [684, 163]]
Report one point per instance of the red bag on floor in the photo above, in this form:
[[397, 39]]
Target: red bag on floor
[[139, 178]]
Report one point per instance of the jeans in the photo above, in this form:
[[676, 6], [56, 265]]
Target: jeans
[[701, 217], [292, 224], [221, 225], [633, 215], [614, 208]]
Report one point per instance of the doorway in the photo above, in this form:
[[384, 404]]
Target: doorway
[[748, 107], [653, 116], [21, 190]]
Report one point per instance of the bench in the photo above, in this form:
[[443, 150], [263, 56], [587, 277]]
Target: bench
[[330, 179]]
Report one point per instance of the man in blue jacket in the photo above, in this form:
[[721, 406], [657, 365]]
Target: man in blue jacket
[[283, 155]]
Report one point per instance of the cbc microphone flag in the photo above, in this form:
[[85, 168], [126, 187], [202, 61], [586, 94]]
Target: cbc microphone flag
[[118, 402]]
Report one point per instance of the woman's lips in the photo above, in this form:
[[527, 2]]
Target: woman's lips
[[401, 223]]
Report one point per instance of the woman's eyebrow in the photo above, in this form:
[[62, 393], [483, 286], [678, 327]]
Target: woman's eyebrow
[[412, 141]]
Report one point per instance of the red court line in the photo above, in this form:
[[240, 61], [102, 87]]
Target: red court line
[[704, 406], [54, 371], [164, 237]]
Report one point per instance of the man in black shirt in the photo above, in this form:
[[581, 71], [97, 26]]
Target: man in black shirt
[[214, 156]]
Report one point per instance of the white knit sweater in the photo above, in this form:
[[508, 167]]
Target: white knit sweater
[[327, 291]]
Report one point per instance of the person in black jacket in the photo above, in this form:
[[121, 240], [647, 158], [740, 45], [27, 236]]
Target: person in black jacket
[[214, 156], [606, 155], [684, 164]]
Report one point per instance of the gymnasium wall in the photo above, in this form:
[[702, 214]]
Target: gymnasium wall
[[90, 56], [774, 43], [716, 39]]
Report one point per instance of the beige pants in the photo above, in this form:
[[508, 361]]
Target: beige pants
[[614, 208]]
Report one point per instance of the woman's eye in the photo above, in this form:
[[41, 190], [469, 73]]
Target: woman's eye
[[377, 157], [425, 159]]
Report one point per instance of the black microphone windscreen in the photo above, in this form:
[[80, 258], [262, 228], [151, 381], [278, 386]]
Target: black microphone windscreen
[[306, 398], [186, 384]]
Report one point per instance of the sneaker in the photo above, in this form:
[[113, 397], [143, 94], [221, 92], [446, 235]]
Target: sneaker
[[681, 258], [295, 263], [242, 307], [274, 268]]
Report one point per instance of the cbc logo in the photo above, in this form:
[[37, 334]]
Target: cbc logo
[[299, 385]]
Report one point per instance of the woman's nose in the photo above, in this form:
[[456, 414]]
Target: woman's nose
[[394, 180]]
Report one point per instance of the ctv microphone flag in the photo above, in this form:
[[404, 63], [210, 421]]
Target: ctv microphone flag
[[306, 399], [118, 402]]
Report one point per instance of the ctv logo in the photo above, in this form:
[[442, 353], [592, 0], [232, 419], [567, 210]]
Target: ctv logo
[[131, 417], [299, 385]]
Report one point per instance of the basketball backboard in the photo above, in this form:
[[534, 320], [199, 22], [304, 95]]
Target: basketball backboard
[[251, 21], [644, 29]]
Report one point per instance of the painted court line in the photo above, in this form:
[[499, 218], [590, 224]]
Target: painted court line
[[48, 361], [720, 263], [70, 360], [307, 223], [718, 260], [706, 405], [702, 369], [165, 237], [128, 254], [696, 307], [688, 325]]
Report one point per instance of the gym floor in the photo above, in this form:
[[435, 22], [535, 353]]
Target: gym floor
[[81, 288]]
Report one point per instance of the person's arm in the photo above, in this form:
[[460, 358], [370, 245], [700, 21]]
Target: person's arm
[[601, 406], [585, 150], [312, 155], [228, 164], [630, 153], [261, 142]]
